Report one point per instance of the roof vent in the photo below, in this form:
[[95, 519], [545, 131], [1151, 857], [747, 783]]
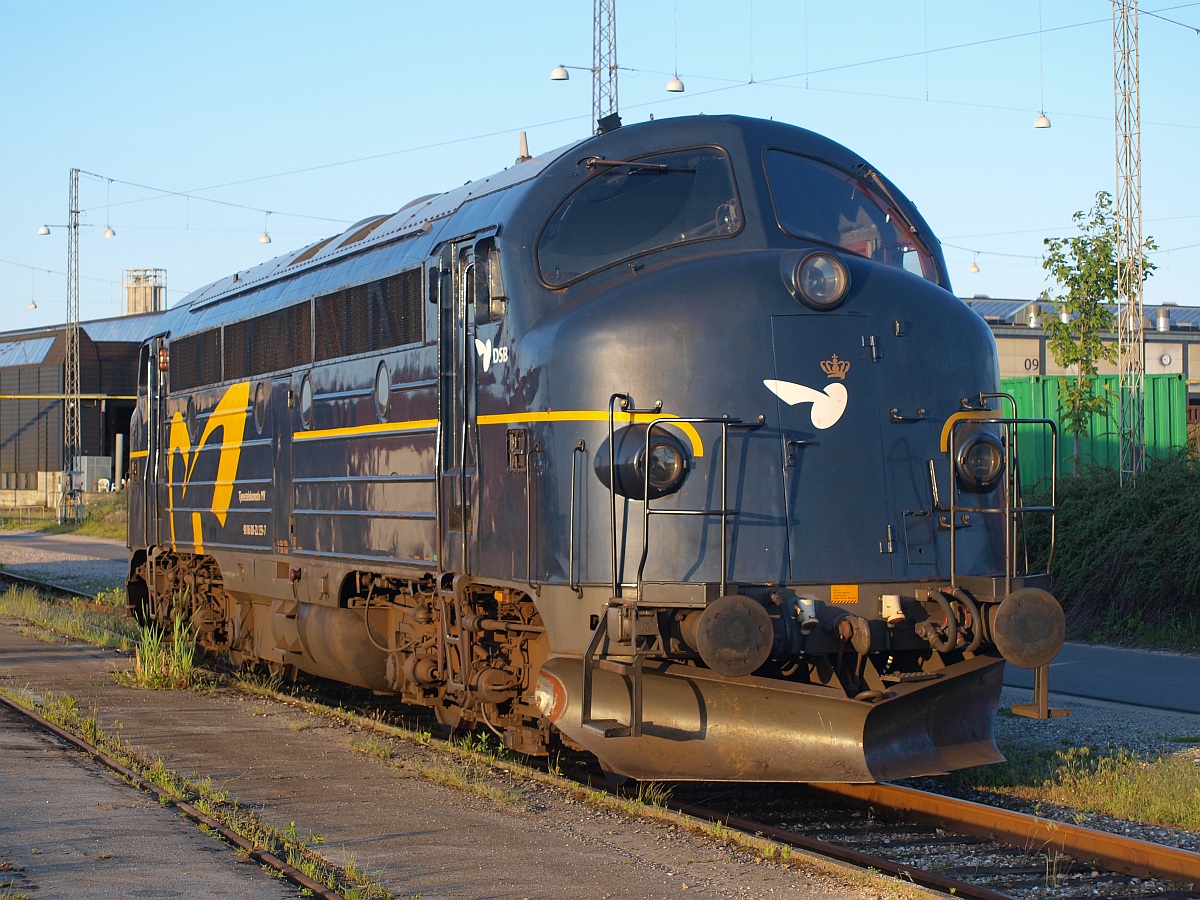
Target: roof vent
[[1164, 318], [608, 123]]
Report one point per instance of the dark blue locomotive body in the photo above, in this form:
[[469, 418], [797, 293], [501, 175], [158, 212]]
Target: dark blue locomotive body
[[673, 444]]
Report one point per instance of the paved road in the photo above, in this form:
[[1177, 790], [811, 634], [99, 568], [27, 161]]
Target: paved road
[[1140, 677], [65, 545], [83, 563]]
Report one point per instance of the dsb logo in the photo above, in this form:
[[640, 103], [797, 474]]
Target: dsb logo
[[489, 354]]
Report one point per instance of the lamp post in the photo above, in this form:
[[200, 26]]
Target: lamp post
[[69, 507], [72, 426], [604, 67]]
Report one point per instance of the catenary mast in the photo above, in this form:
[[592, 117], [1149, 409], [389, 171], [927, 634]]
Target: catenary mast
[[604, 62], [1131, 349]]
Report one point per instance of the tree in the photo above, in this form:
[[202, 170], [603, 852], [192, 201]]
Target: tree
[[1085, 268]]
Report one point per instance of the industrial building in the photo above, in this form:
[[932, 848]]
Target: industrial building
[[32, 382], [1172, 336], [32, 385]]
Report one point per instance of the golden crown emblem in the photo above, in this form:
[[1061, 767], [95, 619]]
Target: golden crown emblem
[[835, 368]]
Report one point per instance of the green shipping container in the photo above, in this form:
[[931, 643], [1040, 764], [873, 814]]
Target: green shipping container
[[1037, 398]]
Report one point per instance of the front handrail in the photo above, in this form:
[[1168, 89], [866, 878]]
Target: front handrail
[[626, 407], [724, 511], [1010, 510], [1017, 488]]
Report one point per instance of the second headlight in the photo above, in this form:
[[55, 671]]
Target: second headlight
[[980, 462]]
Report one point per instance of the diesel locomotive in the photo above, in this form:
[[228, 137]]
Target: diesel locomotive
[[672, 445]]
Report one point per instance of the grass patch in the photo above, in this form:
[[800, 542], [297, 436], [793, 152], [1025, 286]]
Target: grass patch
[[114, 597], [104, 516], [1162, 790], [463, 777], [351, 881], [371, 746], [653, 793], [106, 628], [107, 517], [260, 682], [161, 663]]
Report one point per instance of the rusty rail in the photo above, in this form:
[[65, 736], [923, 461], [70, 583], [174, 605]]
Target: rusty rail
[[1126, 855], [49, 587]]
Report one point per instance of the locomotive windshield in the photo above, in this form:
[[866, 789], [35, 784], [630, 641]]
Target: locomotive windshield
[[814, 201], [624, 208]]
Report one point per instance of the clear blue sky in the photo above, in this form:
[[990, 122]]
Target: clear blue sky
[[370, 104]]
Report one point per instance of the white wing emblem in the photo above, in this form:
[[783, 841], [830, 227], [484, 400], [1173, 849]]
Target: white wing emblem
[[485, 352], [827, 405]]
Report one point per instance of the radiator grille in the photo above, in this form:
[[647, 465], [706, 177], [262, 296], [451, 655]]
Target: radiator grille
[[268, 343], [196, 360], [376, 316]]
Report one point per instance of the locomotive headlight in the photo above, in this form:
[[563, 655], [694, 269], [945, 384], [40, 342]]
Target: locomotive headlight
[[822, 280], [666, 464], [663, 465], [980, 463]]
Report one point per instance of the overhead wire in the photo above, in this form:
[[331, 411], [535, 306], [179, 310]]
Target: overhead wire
[[776, 81], [194, 192]]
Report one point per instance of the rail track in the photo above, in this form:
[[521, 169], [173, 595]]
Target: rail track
[[980, 851], [997, 854], [1122, 854], [258, 854], [1039, 857], [55, 591]]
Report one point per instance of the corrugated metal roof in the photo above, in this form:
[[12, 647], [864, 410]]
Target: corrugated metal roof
[[29, 352], [124, 329], [996, 310], [1016, 312]]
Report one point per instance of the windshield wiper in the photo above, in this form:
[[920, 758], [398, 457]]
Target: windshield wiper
[[635, 167], [875, 178]]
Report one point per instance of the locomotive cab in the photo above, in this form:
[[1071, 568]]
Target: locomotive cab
[[827, 425]]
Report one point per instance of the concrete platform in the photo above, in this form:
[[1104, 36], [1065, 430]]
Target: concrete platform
[[69, 828]]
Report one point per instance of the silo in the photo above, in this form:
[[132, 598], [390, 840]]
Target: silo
[[145, 290]]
